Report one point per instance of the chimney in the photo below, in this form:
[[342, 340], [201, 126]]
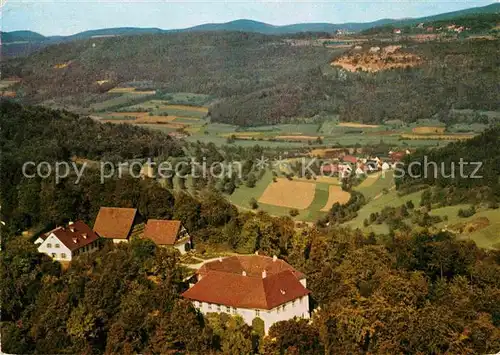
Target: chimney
[[264, 274], [244, 273], [70, 223], [275, 258]]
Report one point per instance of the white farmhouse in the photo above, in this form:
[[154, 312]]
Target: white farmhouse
[[252, 287], [64, 243]]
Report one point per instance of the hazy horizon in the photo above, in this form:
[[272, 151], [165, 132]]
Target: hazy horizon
[[73, 17]]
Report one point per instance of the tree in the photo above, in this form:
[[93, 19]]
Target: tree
[[253, 203]]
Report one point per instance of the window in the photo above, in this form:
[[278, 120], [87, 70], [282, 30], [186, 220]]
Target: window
[[197, 304], [209, 306], [228, 309], [293, 303], [234, 310], [284, 307], [63, 256], [257, 313], [57, 245], [53, 255], [218, 308], [49, 245]]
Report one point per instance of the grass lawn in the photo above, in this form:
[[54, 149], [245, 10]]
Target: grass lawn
[[391, 199], [115, 100], [243, 194], [488, 237], [384, 181]]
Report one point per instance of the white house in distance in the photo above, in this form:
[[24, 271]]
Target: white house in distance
[[252, 287], [64, 243], [168, 234], [115, 223]]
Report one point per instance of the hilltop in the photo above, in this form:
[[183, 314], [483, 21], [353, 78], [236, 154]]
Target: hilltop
[[32, 41]]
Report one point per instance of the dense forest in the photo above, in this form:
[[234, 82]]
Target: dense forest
[[263, 79], [36, 134], [412, 293], [477, 180]]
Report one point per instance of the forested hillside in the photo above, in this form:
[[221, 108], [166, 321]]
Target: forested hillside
[[265, 80], [478, 180], [416, 293], [36, 134]]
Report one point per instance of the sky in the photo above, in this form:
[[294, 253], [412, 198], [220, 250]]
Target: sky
[[66, 17]]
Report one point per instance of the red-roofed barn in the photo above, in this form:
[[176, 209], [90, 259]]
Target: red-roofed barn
[[168, 234], [251, 286], [116, 223]]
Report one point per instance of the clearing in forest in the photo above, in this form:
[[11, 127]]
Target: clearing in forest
[[336, 194], [289, 193]]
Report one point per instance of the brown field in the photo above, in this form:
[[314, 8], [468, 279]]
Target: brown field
[[298, 138], [357, 125], [188, 108], [62, 65], [450, 137], [322, 153], [336, 194], [130, 91], [428, 130], [142, 117], [287, 193]]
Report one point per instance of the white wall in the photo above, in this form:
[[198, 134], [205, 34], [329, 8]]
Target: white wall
[[49, 247], [116, 241], [298, 308], [57, 248]]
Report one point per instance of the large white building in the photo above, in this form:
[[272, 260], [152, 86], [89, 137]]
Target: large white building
[[64, 243], [252, 287]]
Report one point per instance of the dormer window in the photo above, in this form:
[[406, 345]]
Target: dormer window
[[75, 240], [84, 235]]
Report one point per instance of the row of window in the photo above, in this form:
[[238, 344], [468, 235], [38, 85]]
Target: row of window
[[233, 310], [63, 255], [57, 245]]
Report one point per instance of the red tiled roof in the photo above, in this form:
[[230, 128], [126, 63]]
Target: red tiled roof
[[330, 168], [240, 291], [75, 236], [114, 223], [253, 265], [350, 159], [162, 232]]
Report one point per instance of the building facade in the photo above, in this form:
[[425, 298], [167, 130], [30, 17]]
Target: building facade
[[252, 287], [64, 243]]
